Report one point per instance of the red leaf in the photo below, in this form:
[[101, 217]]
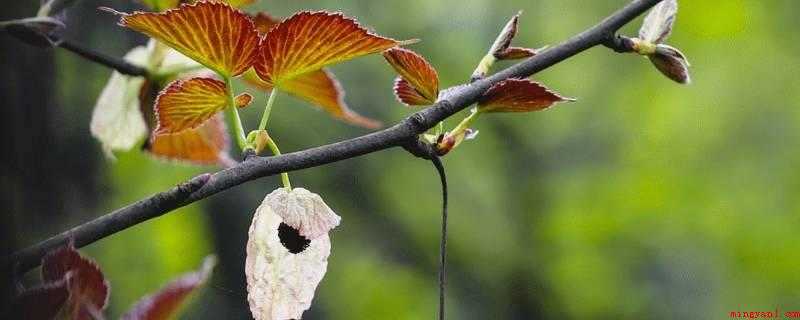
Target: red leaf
[[264, 22], [503, 40], [210, 32], [409, 96], [321, 89], [207, 144], [188, 103], [88, 289], [309, 41], [40, 303], [166, 302], [416, 72], [518, 95]]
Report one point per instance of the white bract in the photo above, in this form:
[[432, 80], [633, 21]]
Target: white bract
[[657, 25], [117, 120], [287, 253]]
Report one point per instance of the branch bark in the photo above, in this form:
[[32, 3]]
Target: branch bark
[[401, 134], [120, 65]]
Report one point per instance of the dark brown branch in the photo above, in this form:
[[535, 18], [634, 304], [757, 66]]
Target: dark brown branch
[[620, 44], [115, 63], [401, 134]]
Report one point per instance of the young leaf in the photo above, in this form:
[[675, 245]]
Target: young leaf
[[501, 49], [207, 144], [406, 94], [503, 40], [672, 63], [321, 89], [165, 303], [212, 33], [308, 41], [658, 23], [287, 253], [264, 22], [88, 288], [518, 95], [116, 120], [417, 73], [186, 104], [40, 303]]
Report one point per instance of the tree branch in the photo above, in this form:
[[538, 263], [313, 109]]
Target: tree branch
[[118, 64], [402, 134]]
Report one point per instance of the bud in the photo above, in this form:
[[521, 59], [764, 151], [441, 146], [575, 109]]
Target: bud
[[672, 63], [451, 140], [501, 49], [258, 140], [287, 253]]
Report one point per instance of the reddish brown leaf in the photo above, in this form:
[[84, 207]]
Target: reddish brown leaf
[[165, 303], [503, 40], [40, 303], [309, 41], [409, 96], [88, 289], [518, 95], [264, 22], [210, 32], [188, 103], [321, 89], [416, 72], [207, 144]]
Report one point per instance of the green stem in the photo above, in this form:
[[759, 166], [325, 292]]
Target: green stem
[[439, 128], [464, 124], [284, 176], [268, 109], [271, 142], [483, 67], [233, 116]]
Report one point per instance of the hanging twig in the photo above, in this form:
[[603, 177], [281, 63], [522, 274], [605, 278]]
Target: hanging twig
[[437, 162]]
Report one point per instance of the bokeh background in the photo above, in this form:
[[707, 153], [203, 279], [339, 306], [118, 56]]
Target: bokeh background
[[644, 199]]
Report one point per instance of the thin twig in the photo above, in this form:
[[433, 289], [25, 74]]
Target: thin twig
[[437, 162], [620, 44], [118, 64], [456, 99]]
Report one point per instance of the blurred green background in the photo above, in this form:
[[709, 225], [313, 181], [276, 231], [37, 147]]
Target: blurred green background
[[644, 199]]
